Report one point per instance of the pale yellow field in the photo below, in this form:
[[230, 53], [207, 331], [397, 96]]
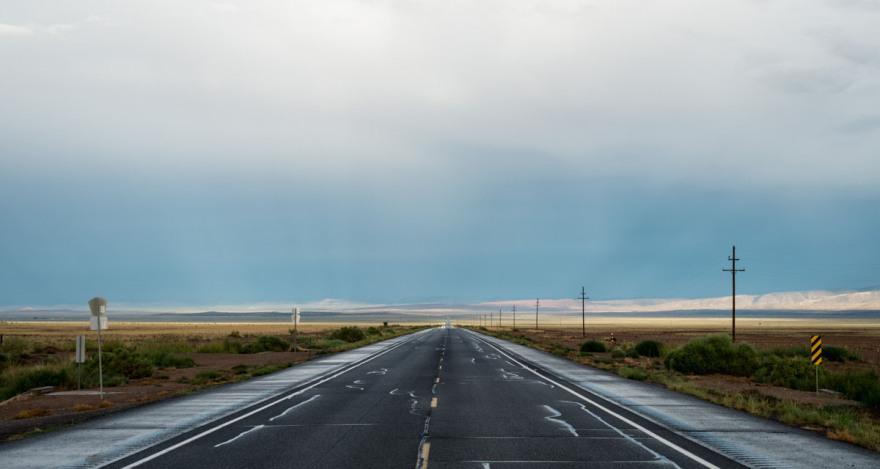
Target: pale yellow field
[[129, 329]]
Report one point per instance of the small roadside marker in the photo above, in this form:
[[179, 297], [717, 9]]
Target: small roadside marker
[[816, 349], [816, 356]]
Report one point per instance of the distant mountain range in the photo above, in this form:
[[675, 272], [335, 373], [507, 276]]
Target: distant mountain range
[[857, 302]]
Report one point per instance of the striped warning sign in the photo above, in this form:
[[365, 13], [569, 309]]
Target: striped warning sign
[[816, 349]]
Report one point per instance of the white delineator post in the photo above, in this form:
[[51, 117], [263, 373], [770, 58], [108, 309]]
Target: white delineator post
[[295, 318], [98, 307]]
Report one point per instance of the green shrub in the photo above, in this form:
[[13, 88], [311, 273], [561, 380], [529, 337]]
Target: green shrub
[[15, 351], [273, 343], [593, 346], [649, 348], [328, 345], [795, 351], [232, 345], [162, 359], [790, 372], [16, 380], [862, 386], [212, 347], [266, 369], [713, 354], [618, 354], [205, 377], [124, 362], [560, 350], [838, 354], [374, 331], [348, 334], [629, 372]]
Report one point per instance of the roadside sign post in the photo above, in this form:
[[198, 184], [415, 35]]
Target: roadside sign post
[[80, 358], [98, 307], [816, 356], [295, 318]]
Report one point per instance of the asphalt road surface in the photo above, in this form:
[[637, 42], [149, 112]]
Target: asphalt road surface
[[444, 399]]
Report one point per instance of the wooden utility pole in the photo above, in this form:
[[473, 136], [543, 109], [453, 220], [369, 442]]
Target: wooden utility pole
[[733, 270], [537, 303], [584, 299]]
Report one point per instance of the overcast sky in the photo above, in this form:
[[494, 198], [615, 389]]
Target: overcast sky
[[233, 152]]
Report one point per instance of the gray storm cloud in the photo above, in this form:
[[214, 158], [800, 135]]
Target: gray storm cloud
[[772, 90]]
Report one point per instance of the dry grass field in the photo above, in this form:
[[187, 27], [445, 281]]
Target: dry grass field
[[145, 362], [859, 335]]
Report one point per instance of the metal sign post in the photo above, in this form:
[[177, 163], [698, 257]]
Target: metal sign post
[[816, 356], [98, 307], [80, 358]]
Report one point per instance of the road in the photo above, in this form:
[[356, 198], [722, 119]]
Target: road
[[444, 399]]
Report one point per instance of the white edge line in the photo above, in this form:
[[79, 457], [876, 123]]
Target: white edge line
[[260, 409], [622, 418]]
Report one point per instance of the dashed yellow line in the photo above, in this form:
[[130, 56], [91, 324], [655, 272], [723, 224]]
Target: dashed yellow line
[[426, 450], [434, 403]]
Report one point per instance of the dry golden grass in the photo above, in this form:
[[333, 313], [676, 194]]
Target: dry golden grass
[[31, 413], [120, 330]]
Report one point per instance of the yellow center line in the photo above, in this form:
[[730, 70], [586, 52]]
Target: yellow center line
[[426, 449], [434, 403]]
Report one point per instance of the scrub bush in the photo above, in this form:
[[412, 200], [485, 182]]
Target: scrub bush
[[713, 354], [348, 334], [649, 348], [592, 346]]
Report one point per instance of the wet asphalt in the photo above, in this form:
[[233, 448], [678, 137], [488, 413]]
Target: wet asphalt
[[445, 399]]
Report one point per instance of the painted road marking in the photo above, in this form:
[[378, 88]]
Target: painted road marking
[[434, 402], [317, 382], [554, 417], [293, 407], [437, 380], [239, 436], [426, 450], [622, 418]]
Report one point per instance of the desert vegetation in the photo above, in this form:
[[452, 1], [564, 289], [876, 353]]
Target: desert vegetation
[[144, 366]]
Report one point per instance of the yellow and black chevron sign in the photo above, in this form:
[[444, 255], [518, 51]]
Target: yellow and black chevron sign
[[816, 349]]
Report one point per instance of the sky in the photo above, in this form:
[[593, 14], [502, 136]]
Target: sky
[[198, 152]]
